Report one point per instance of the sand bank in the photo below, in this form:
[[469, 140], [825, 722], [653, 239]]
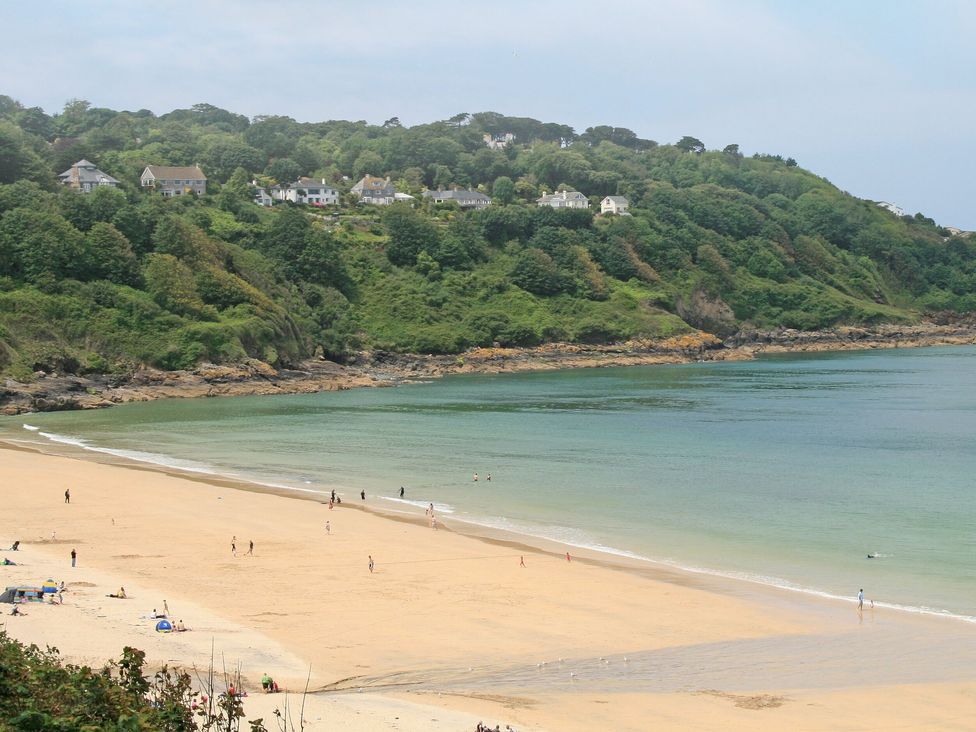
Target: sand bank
[[449, 627]]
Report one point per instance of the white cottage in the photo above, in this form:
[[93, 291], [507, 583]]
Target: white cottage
[[615, 205], [174, 181], [564, 199], [307, 190]]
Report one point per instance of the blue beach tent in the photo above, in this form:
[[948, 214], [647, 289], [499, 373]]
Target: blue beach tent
[[164, 626]]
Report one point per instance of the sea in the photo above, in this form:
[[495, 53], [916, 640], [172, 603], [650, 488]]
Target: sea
[[788, 471]]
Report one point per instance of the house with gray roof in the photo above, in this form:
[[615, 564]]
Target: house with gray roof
[[374, 190], [564, 199], [174, 181], [312, 191], [615, 205], [464, 199], [85, 177]]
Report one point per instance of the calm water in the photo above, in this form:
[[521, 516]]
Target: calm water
[[789, 470]]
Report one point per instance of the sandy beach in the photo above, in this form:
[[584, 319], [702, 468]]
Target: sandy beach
[[448, 628]]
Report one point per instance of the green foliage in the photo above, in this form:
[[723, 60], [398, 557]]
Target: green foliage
[[117, 279], [38, 691]]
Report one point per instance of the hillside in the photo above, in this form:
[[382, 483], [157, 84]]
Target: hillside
[[120, 278]]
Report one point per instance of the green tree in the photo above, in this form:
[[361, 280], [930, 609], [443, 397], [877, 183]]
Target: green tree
[[503, 190], [690, 144], [110, 255], [410, 233]]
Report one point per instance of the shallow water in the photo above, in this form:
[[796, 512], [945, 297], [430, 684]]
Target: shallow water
[[788, 470]]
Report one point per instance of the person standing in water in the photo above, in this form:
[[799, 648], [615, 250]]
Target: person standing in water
[[362, 494], [475, 477], [401, 491], [488, 477]]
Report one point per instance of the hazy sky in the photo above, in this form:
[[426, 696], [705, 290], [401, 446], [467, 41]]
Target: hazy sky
[[878, 96]]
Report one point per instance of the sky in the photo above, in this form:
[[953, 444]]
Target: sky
[[877, 96]]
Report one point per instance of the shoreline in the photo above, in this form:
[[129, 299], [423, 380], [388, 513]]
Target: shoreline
[[607, 557], [450, 621], [55, 393]]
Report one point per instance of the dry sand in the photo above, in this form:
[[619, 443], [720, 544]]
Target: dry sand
[[449, 629]]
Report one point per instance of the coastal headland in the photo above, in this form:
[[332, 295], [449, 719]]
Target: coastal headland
[[52, 392], [448, 628]]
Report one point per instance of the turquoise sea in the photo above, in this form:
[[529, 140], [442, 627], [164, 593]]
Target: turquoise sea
[[788, 470]]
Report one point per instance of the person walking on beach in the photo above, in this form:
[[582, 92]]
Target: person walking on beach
[[165, 608], [250, 548], [860, 599], [328, 529], [333, 495], [433, 523], [521, 561], [567, 557], [233, 546], [371, 564], [74, 557], [67, 495]]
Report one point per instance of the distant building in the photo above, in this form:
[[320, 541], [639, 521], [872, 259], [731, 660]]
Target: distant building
[[172, 181], [307, 190], [261, 196], [498, 142], [564, 199], [377, 191], [85, 177], [615, 205], [464, 199], [896, 210]]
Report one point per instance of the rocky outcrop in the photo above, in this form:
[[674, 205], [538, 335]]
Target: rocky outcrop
[[846, 338], [49, 392]]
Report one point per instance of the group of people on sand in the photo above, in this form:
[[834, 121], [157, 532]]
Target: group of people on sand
[[269, 685], [482, 727], [233, 547]]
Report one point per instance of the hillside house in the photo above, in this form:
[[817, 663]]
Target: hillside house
[[376, 191], [896, 210], [85, 177], [564, 199], [498, 142], [312, 191], [261, 196], [464, 199], [615, 205], [174, 181]]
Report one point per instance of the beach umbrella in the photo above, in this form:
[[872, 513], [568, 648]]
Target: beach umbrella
[[50, 587]]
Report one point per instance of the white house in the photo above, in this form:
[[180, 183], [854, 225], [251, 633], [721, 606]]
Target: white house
[[615, 205], [85, 177], [261, 196], [377, 191], [896, 210], [564, 199], [174, 181], [498, 142], [464, 199], [307, 190]]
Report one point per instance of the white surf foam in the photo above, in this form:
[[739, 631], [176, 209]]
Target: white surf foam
[[438, 507]]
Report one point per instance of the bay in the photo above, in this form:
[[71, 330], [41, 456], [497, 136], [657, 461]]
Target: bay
[[787, 470]]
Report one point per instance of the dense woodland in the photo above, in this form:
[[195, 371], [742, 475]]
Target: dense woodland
[[119, 279]]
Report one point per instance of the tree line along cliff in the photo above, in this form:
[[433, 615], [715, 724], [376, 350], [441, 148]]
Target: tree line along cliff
[[121, 277]]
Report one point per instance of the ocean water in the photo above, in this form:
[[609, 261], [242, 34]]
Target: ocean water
[[788, 470]]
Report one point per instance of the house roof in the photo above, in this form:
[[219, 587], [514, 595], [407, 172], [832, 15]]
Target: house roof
[[166, 172], [562, 195], [457, 196], [618, 200], [371, 185], [85, 172]]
